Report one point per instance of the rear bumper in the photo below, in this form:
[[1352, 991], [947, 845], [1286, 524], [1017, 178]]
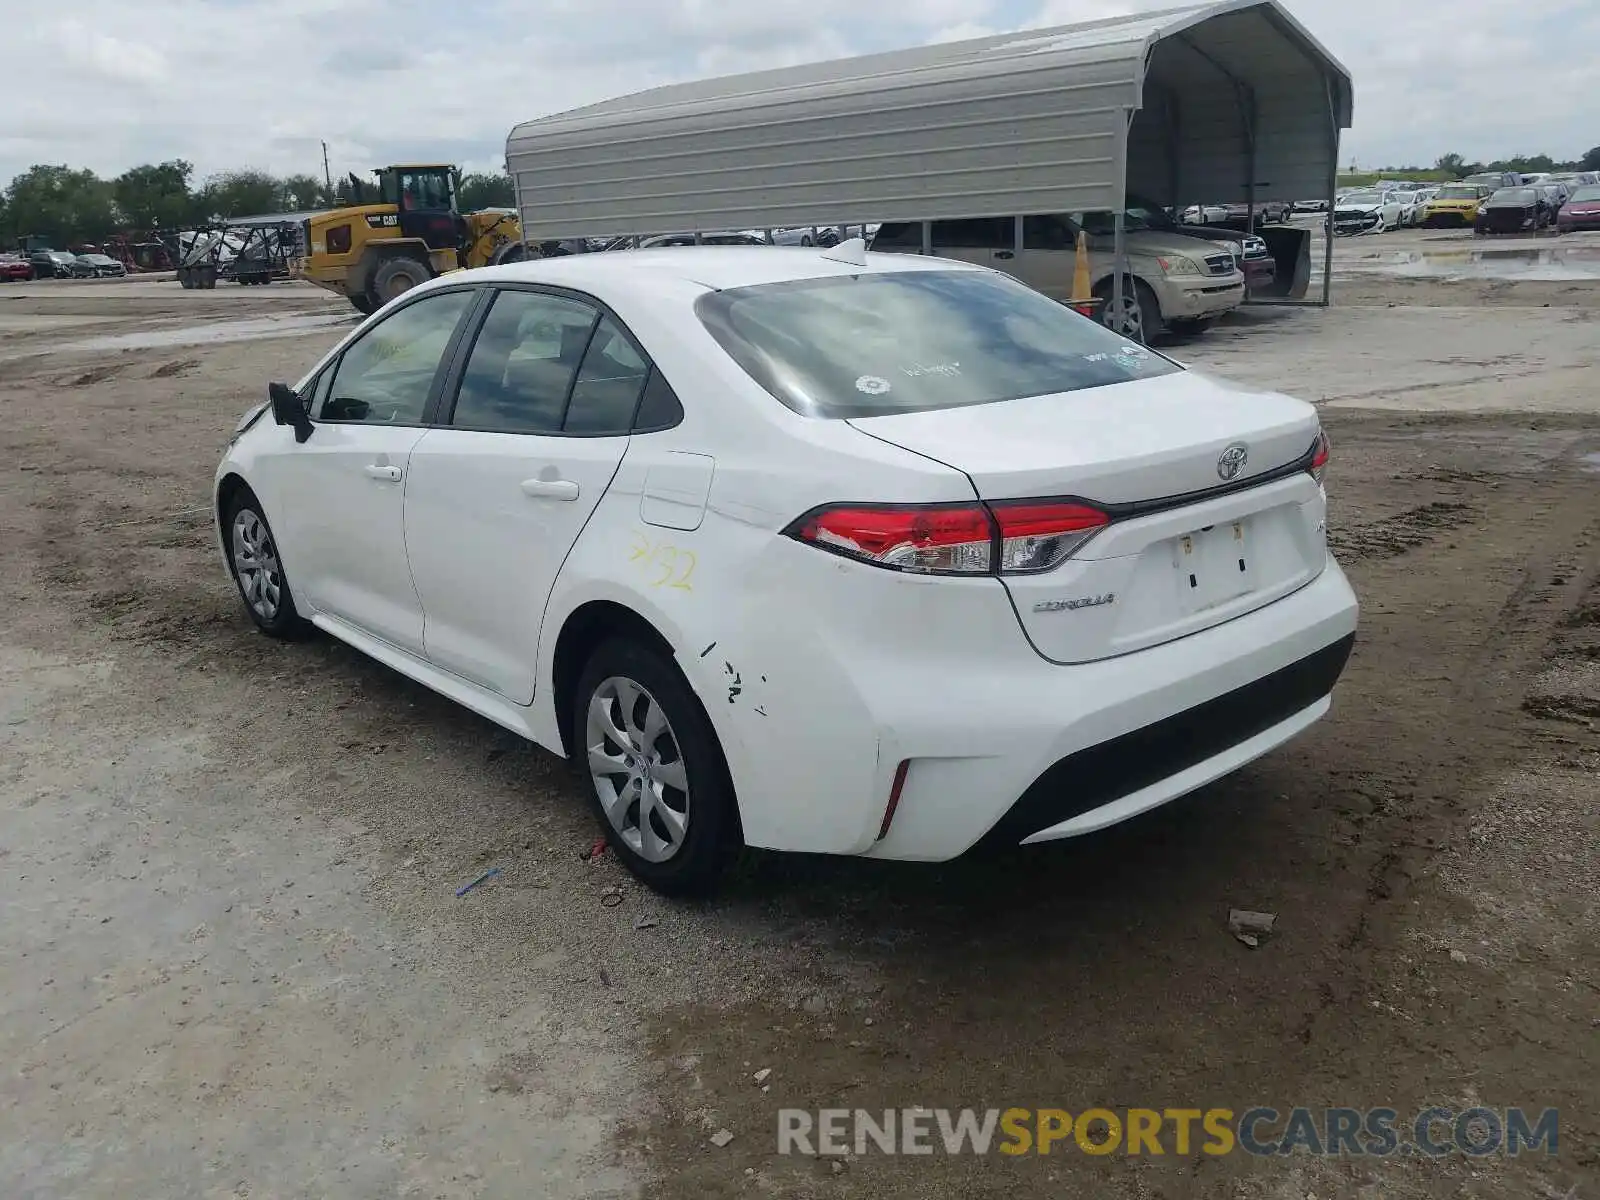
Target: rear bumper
[[1070, 749]]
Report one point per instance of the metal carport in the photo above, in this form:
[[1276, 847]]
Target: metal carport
[[1223, 102]]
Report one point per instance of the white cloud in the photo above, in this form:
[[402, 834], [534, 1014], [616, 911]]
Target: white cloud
[[229, 83]]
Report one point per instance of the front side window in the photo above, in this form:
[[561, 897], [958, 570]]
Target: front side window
[[524, 363], [913, 341], [385, 375]]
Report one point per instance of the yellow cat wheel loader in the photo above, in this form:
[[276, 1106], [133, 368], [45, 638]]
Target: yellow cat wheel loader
[[410, 232]]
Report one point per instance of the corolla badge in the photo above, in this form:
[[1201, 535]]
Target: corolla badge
[[1069, 605], [1232, 461]]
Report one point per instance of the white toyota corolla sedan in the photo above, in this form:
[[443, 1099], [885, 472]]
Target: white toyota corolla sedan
[[811, 550]]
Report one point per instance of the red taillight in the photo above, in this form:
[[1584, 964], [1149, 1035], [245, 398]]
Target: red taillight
[[1011, 537], [948, 539], [1320, 451]]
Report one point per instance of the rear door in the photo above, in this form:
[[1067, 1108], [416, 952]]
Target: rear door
[[499, 492]]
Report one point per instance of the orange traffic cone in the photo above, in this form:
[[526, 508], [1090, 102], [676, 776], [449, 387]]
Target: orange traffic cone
[[1082, 297]]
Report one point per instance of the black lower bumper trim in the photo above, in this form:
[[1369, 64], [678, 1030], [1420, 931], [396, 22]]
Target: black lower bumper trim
[[1089, 778]]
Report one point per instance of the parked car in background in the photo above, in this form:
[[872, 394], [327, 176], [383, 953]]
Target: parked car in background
[[99, 266], [15, 268], [1512, 210], [1368, 211], [1250, 252], [1177, 282], [52, 264], [706, 239], [1581, 211], [952, 485], [1495, 180], [1454, 205], [1555, 194], [1310, 206], [1204, 214], [1576, 179]]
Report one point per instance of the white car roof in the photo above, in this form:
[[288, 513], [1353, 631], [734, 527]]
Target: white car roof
[[714, 267]]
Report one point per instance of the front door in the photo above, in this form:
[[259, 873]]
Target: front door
[[343, 516], [500, 491]]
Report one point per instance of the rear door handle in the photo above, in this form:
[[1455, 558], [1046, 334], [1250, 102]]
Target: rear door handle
[[550, 489], [385, 473], [1005, 254]]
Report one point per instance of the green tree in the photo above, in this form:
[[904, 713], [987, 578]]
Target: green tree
[[486, 191], [302, 193], [1453, 163], [66, 206], [155, 196], [243, 193], [1590, 160]]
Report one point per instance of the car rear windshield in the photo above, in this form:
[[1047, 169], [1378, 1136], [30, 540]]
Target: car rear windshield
[[912, 341], [1515, 196], [1458, 192], [1587, 192]]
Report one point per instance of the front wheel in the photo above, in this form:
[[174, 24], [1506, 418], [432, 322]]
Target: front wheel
[[257, 569], [396, 276], [656, 775], [1140, 318]]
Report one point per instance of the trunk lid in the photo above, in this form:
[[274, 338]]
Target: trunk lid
[[1189, 545]]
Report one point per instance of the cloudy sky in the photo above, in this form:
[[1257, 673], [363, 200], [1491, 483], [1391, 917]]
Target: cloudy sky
[[229, 83]]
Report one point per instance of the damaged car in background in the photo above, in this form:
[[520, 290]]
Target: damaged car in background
[[1367, 211], [1513, 210]]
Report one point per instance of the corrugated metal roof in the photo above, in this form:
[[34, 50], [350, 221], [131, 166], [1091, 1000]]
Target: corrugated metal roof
[[1011, 124]]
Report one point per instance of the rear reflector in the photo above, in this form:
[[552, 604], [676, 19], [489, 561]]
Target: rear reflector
[[894, 797], [1008, 537]]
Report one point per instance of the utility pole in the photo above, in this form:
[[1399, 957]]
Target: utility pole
[[327, 175]]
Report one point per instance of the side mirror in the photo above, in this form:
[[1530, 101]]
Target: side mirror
[[289, 409]]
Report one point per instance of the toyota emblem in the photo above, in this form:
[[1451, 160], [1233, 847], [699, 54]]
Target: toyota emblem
[[1233, 460]]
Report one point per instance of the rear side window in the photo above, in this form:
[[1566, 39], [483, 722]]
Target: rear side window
[[609, 382], [912, 341]]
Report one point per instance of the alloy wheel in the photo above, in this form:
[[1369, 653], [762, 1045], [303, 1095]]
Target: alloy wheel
[[638, 769], [255, 560], [1130, 322]]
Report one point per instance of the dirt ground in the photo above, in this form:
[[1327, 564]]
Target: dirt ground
[[234, 963]]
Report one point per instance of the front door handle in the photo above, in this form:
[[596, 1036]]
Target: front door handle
[[550, 489], [385, 473], [1005, 254]]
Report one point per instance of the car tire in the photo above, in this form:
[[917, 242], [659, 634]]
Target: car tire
[[257, 569], [364, 304], [396, 276], [1141, 317], [682, 844]]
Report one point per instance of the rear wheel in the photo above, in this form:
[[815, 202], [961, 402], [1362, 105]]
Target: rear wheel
[[1140, 317], [656, 775], [396, 276], [363, 304]]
